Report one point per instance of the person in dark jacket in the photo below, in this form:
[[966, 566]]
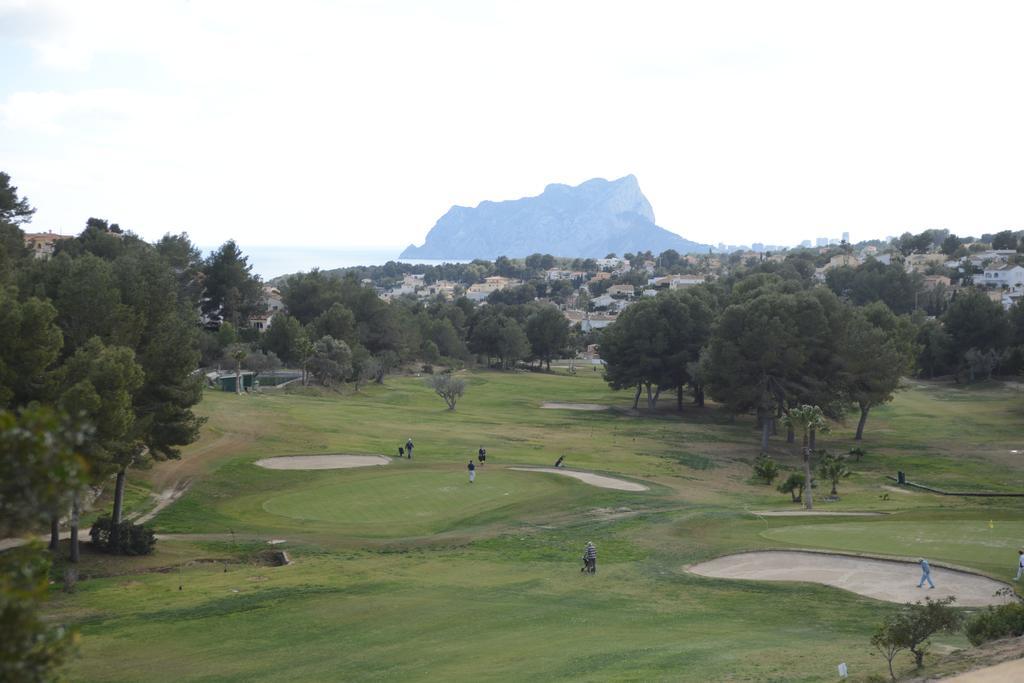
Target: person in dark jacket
[[408, 448], [472, 471], [481, 455]]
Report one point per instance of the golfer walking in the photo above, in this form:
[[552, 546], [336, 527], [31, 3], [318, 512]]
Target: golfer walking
[[590, 558], [472, 471], [1020, 564], [926, 574], [408, 448]]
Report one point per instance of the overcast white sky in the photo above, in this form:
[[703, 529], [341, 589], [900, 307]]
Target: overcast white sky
[[327, 124]]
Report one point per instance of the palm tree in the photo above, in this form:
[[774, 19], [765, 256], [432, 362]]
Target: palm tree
[[806, 419], [833, 468], [238, 354]]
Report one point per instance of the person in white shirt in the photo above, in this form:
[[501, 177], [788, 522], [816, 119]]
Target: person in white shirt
[[1020, 564]]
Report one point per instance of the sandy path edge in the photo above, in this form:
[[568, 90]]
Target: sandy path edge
[[599, 480], [882, 578]]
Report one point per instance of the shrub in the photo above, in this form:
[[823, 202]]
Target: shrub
[[121, 539], [857, 453], [794, 486], [766, 469], [996, 622], [912, 627]]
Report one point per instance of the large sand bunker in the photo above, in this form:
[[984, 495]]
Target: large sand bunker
[[588, 478], [812, 513], [592, 407], [890, 580], [321, 462]]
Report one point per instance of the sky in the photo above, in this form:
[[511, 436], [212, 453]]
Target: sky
[[358, 124]]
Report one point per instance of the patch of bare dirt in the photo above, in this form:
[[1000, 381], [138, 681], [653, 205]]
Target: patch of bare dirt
[[165, 498]]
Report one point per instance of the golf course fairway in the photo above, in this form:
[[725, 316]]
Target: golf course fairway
[[406, 571]]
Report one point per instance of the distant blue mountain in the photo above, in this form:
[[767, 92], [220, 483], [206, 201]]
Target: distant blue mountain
[[591, 220]]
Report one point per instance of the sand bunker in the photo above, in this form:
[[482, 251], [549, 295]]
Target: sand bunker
[[321, 462], [889, 580], [588, 478], [593, 407], [1007, 671], [813, 513]]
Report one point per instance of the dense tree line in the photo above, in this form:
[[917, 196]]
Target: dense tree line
[[106, 330], [767, 339]]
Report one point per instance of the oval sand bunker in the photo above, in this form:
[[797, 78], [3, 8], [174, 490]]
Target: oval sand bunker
[[591, 407], [321, 462], [889, 580], [598, 480]]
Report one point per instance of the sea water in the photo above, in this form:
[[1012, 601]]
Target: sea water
[[270, 262]]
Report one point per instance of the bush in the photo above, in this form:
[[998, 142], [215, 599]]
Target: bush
[[857, 453], [912, 627], [766, 469], [794, 486], [1003, 621], [121, 539]]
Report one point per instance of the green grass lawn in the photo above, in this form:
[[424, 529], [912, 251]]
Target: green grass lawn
[[408, 572]]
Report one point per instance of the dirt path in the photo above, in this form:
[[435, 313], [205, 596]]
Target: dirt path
[[165, 498], [321, 462], [890, 580], [592, 407], [598, 480]]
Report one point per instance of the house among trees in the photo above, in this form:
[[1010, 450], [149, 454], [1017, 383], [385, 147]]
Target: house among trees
[[495, 283], [1009, 276], [42, 244]]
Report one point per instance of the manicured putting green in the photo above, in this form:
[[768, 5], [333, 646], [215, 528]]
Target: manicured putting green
[[971, 542], [414, 501]]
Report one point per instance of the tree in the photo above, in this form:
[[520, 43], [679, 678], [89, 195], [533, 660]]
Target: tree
[[30, 343], [448, 387], [88, 301], [794, 486], [1004, 239], [974, 321], [833, 468], [935, 345], [331, 361], [950, 245], [13, 209], [912, 627], [186, 262], [653, 343], [872, 367], [337, 322], [98, 383], [284, 338], [231, 291], [238, 353], [766, 469], [806, 419], [40, 473], [548, 333], [760, 354]]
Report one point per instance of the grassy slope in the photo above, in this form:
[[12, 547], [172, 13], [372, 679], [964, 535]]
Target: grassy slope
[[406, 572]]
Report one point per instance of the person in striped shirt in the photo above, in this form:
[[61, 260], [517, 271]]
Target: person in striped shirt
[[590, 558]]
